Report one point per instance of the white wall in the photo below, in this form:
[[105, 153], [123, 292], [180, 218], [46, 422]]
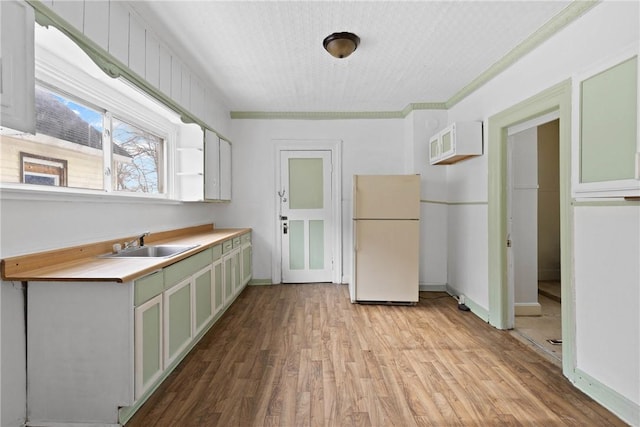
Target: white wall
[[368, 147], [602, 31], [419, 127], [607, 292]]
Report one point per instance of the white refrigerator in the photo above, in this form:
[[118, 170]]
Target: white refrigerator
[[386, 239]]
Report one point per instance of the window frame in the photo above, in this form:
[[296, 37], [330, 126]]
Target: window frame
[[43, 160], [93, 89]]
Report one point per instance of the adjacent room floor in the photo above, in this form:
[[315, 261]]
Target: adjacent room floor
[[294, 355], [543, 330]]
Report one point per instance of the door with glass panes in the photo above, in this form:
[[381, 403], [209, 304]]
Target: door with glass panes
[[306, 216]]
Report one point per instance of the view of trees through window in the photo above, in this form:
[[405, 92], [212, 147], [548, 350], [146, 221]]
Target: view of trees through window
[[137, 158]]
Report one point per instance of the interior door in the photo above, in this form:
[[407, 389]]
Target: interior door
[[306, 216]]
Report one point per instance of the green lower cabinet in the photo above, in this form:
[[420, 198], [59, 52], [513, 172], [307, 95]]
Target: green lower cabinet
[[218, 298], [203, 301], [148, 344], [178, 327], [227, 270], [237, 272], [246, 264]]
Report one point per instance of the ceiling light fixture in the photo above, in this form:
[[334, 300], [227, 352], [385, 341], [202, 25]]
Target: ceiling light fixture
[[341, 45]]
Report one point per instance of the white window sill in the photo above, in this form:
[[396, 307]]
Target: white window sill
[[65, 194]]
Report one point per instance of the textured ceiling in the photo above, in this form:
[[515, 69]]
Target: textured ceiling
[[268, 56]]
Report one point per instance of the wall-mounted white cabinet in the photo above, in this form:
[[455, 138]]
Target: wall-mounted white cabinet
[[17, 66], [203, 168], [456, 142], [606, 135], [217, 173]]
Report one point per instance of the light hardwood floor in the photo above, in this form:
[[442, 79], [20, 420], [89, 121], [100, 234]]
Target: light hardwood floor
[[303, 355]]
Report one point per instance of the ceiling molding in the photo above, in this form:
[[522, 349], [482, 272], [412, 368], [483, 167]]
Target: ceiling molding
[[316, 115], [558, 22], [569, 14], [337, 115]]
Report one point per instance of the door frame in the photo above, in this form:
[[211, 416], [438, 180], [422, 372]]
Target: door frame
[[511, 258], [335, 146], [558, 98]]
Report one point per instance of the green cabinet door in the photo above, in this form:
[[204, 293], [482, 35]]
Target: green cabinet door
[[203, 303], [227, 269], [218, 299], [246, 264], [148, 344], [178, 320], [237, 272]]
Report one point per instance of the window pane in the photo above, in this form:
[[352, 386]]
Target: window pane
[[137, 159], [67, 131]]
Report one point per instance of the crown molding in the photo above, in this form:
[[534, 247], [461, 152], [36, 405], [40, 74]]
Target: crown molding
[[557, 23], [315, 115], [569, 14]]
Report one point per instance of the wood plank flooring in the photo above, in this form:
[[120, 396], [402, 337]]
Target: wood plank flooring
[[303, 355]]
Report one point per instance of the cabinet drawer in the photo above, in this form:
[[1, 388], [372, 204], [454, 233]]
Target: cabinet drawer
[[217, 252], [148, 287], [178, 271], [236, 242], [227, 246], [246, 238]]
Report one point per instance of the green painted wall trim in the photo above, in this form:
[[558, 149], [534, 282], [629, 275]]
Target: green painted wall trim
[[109, 64], [315, 115], [628, 411], [260, 282], [439, 202], [434, 202], [604, 203], [558, 98], [569, 14], [467, 203]]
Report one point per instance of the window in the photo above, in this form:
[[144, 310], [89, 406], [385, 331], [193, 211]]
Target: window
[[42, 170], [137, 159], [93, 132]]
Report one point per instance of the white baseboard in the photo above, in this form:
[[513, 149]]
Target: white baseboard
[[527, 309]]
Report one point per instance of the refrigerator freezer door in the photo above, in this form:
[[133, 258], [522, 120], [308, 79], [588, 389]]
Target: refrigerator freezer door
[[386, 260], [386, 196]]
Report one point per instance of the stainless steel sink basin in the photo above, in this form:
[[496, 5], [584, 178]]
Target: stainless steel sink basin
[[157, 251]]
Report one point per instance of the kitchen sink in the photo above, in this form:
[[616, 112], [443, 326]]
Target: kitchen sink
[[157, 251]]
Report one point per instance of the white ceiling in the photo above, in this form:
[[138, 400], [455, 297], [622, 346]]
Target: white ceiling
[[268, 56]]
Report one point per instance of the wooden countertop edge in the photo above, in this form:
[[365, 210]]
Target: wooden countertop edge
[[76, 263]]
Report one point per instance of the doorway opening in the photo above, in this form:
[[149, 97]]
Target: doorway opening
[[533, 227], [308, 205], [556, 98]]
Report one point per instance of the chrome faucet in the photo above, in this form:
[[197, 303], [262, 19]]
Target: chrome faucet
[[139, 239]]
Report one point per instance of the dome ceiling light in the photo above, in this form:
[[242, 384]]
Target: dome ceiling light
[[341, 45]]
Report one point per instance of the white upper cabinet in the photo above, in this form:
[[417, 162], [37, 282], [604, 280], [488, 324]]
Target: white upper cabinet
[[211, 165], [217, 168], [17, 93], [605, 133], [456, 142], [225, 170]]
